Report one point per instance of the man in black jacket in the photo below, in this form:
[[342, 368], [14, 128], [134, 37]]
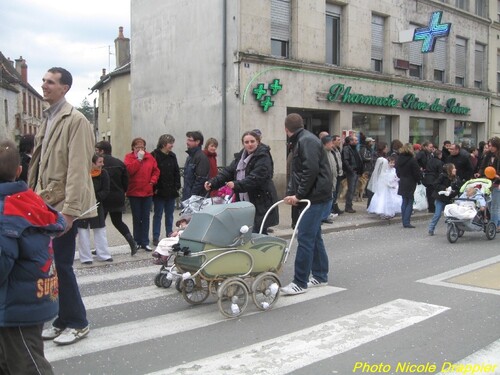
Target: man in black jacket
[[461, 159], [353, 168], [196, 168], [310, 178], [114, 203]]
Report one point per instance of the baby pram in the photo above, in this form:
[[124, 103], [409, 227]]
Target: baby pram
[[465, 216], [218, 254], [163, 256]]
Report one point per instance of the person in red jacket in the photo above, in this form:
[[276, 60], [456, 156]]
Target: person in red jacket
[[143, 175]]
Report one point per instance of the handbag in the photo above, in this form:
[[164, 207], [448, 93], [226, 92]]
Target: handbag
[[420, 198]]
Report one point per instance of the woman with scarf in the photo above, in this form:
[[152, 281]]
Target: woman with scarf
[[250, 175], [492, 159], [100, 179]]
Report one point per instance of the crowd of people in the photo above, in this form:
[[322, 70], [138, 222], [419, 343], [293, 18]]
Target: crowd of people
[[72, 184]]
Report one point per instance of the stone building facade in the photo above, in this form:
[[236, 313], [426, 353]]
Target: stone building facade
[[224, 67]]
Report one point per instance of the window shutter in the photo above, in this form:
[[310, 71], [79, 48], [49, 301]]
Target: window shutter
[[377, 37], [460, 57], [440, 55], [280, 20], [479, 63]]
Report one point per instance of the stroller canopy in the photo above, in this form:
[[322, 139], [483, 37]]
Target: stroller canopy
[[220, 225]]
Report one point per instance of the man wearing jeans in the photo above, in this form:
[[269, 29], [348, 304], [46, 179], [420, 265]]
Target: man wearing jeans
[[310, 178], [60, 173]]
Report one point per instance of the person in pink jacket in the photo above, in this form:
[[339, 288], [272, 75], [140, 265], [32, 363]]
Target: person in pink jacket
[[143, 175]]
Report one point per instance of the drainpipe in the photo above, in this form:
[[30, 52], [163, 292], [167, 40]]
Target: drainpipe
[[224, 82]]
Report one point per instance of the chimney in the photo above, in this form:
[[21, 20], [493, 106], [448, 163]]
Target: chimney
[[103, 72], [122, 49], [22, 69]]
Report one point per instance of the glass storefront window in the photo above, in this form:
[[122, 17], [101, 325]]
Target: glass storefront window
[[424, 129], [378, 127], [465, 133]]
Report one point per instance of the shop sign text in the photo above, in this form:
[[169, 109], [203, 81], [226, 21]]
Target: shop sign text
[[340, 92]]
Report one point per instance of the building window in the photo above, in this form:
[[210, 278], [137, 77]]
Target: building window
[[460, 61], [479, 69], [376, 126], [377, 43], [416, 58], [465, 133], [280, 27], [333, 13], [498, 71], [498, 10], [440, 59], [108, 103], [482, 8], [6, 111], [424, 129], [462, 4]]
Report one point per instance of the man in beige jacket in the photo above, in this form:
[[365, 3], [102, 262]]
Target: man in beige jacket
[[60, 172]]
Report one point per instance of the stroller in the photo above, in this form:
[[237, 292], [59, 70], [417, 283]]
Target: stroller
[[465, 216], [218, 254], [163, 256]]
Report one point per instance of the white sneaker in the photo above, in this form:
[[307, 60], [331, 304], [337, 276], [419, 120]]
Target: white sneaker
[[71, 335], [332, 216], [51, 333], [314, 283], [292, 289]]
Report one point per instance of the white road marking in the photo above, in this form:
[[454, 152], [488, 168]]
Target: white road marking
[[438, 279], [293, 351], [125, 296], [489, 355], [163, 325], [114, 275]]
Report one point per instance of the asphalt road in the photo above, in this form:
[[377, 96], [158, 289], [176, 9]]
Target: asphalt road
[[398, 301]]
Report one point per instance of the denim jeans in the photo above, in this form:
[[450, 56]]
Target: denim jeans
[[141, 209], [406, 210], [311, 253], [352, 182], [438, 210], [72, 312], [163, 205], [328, 211], [338, 186], [495, 206]]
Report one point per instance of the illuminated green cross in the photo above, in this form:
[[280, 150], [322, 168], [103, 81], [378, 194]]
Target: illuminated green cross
[[259, 91], [266, 103], [275, 87]]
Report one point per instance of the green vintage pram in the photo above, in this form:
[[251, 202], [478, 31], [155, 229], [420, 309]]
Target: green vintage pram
[[218, 254]]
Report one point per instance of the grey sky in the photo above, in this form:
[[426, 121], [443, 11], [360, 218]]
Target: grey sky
[[72, 34]]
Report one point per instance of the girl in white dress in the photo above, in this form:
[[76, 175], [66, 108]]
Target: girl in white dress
[[385, 202]]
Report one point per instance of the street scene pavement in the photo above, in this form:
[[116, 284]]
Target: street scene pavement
[[397, 302]]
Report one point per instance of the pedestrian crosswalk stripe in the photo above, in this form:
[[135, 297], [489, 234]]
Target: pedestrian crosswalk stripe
[[489, 355], [126, 296], [293, 351], [114, 275], [146, 329]]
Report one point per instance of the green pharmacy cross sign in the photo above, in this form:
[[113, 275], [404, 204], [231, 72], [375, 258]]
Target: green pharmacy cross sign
[[429, 34], [260, 93]]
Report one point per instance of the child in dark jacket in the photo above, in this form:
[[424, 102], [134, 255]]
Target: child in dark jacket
[[28, 280]]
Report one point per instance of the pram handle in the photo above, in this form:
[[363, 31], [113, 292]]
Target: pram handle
[[308, 204]]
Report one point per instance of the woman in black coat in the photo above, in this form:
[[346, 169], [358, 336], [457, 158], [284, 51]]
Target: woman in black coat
[[250, 175], [409, 174]]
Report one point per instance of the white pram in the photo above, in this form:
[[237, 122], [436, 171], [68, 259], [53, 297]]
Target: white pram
[[465, 215]]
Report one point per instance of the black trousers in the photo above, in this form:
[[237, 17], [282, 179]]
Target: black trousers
[[21, 351], [117, 220]]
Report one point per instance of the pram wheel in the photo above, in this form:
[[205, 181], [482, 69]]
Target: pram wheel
[[157, 280], [460, 232], [452, 233], [265, 291], [195, 291], [233, 297], [178, 285], [491, 230], [166, 281]]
